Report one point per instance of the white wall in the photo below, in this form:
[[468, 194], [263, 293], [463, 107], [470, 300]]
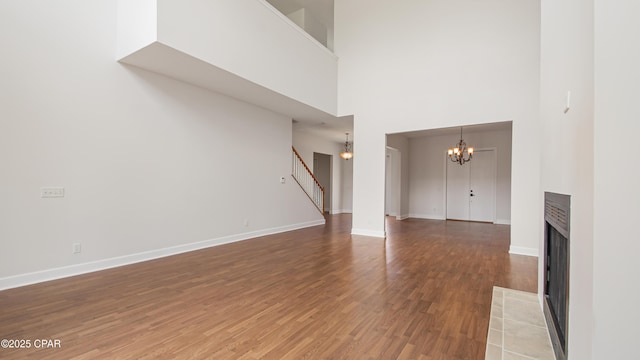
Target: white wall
[[409, 65], [428, 172], [567, 154], [297, 17], [315, 28], [137, 25], [310, 24], [150, 166], [347, 185], [306, 144], [616, 195]]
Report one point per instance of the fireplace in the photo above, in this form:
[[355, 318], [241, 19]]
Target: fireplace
[[556, 274]]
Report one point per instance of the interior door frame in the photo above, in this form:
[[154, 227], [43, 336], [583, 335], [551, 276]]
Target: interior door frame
[[396, 190], [495, 182], [494, 209]]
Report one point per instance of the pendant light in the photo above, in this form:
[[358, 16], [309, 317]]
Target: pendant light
[[347, 153], [457, 154]]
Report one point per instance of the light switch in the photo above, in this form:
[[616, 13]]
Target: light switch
[[52, 192]]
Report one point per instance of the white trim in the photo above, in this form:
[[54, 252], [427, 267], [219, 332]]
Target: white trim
[[402, 217], [372, 233], [79, 269], [518, 250], [341, 211], [427, 216], [438, 217]]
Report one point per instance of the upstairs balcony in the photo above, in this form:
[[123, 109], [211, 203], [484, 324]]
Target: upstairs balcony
[[242, 48]]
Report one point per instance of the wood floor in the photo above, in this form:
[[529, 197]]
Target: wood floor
[[316, 293]]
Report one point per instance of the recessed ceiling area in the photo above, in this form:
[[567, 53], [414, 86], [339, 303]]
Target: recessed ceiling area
[[331, 129]]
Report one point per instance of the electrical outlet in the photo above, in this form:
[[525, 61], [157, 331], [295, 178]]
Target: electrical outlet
[[77, 248], [52, 192]]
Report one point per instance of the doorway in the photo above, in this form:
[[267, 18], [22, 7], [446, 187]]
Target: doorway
[[392, 182], [322, 172], [471, 188]]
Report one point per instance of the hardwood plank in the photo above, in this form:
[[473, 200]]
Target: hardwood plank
[[316, 293]]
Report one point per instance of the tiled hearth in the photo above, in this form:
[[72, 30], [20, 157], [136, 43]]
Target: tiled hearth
[[517, 329]]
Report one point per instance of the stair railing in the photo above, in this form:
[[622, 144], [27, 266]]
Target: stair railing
[[307, 181]]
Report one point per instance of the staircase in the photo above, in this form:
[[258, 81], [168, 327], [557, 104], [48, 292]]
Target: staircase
[[307, 181]]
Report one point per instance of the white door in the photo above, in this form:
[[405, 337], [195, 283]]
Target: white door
[[457, 191], [482, 186], [471, 188]]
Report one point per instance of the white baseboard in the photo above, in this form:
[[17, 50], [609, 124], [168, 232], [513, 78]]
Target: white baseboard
[[402, 217], [79, 269], [517, 250], [372, 233], [427, 216], [340, 211], [438, 217]]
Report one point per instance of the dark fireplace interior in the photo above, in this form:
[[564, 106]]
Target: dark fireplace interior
[[556, 264]]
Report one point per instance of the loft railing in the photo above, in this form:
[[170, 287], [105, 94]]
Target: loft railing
[[307, 181]]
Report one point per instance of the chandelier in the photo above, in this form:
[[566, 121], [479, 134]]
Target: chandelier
[[457, 154], [347, 153]]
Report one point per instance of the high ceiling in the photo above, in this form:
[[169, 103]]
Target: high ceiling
[[326, 127], [335, 128], [332, 129]]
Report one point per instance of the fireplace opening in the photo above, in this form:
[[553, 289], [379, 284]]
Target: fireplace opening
[[556, 265]]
